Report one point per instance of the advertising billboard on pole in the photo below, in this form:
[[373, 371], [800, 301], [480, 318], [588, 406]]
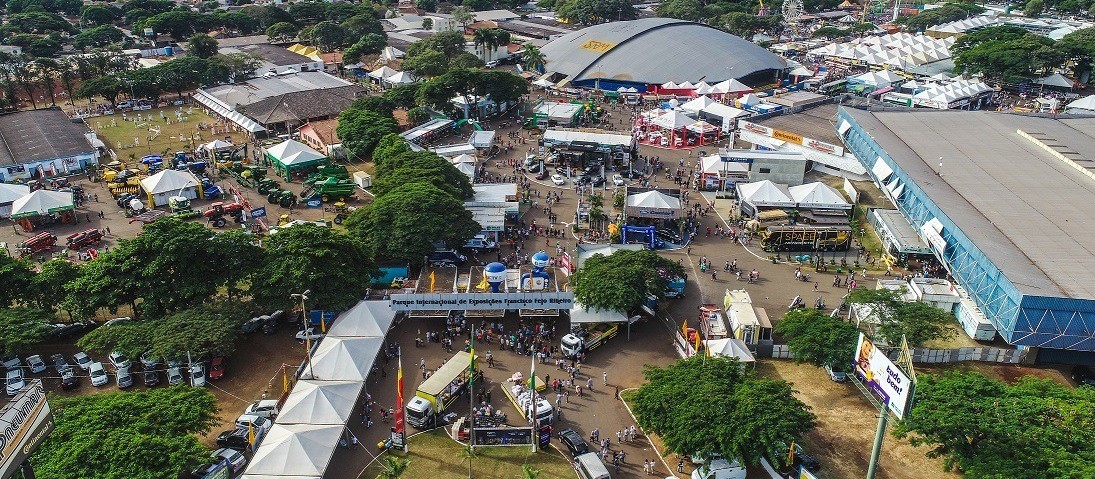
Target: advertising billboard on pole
[[889, 383], [26, 421]]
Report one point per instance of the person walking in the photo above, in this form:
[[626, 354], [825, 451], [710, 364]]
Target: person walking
[[604, 377], [616, 395], [680, 465]]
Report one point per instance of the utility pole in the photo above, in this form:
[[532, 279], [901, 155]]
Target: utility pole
[[307, 335]]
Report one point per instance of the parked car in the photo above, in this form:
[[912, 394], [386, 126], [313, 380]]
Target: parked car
[[15, 381], [254, 324], [151, 378], [1083, 376], [120, 360], [597, 180], [447, 257], [310, 334], [836, 374], [123, 319], [558, 179], [36, 364], [174, 363], [233, 439], [267, 408], [618, 180], [574, 442], [98, 374], [534, 168], [259, 423], [69, 380], [82, 360], [542, 174], [125, 378], [270, 325], [480, 243], [197, 375], [236, 460], [216, 368], [59, 362], [148, 361], [174, 376], [12, 363]]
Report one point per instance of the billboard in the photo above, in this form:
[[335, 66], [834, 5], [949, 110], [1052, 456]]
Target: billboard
[[882, 376], [26, 421], [481, 301]]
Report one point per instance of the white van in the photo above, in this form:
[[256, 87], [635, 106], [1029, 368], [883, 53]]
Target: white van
[[720, 469], [591, 467]]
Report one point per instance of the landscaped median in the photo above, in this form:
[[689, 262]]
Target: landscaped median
[[435, 455]]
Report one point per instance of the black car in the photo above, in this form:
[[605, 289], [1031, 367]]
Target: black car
[[70, 330], [447, 257], [534, 168], [1083, 376], [151, 378], [632, 174], [574, 442], [233, 439], [597, 181], [69, 379], [270, 325]]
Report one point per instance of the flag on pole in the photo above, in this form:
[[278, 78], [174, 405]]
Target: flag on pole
[[284, 379], [697, 342], [400, 425], [471, 360], [433, 279], [323, 322], [251, 433], [791, 454]]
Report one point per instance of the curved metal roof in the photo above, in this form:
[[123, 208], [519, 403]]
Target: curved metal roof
[[656, 50]]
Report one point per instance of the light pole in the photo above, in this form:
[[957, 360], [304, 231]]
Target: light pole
[[307, 336]]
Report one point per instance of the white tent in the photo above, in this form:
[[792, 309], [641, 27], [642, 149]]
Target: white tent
[[579, 314], [673, 120], [1083, 105], [731, 348], [765, 194], [669, 85], [8, 194], [295, 450], [401, 78], [168, 183], [465, 158], [382, 73], [343, 359], [1055, 80], [367, 319], [818, 195], [391, 53], [467, 169], [320, 402], [542, 83], [42, 202], [216, 145], [697, 104], [292, 152], [653, 204]]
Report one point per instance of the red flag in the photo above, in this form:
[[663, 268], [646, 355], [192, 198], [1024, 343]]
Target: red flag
[[400, 427]]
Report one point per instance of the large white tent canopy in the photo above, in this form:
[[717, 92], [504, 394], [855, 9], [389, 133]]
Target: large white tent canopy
[[368, 319], [382, 73], [818, 195], [343, 359], [295, 450], [579, 314], [9, 192], [765, 194], [292, 152], [1083, 105], [731, 348], [320, 402], [42, 202], [673, 120], [169, 181], [653, 204]]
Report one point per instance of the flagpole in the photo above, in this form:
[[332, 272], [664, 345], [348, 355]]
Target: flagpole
[[471, 399], [400, 421], [532, 415]]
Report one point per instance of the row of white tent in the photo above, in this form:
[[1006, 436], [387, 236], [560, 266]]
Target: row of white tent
[[769, 194], [392, 76], [703, 88], [942, 95], [900, 50], [18, 200], [1050, 27], [313, 418]]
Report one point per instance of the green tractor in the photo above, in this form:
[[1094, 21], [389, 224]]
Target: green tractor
[[328, 171], [283, 198], [181, 209], [267, 185], [330, 188]]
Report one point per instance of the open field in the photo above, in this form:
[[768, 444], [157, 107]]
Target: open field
[[179, 129], [434, 454]]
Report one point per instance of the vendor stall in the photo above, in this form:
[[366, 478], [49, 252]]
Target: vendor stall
[[652, 204], [169, 183], [43, 207], [754, 197], [8, 194], [292, 156]]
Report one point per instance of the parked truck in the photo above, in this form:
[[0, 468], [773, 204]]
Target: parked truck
[[675, 289], [438, 392], [90, 237], [583, 339], [712, 322], [806, 238], [521, 397]]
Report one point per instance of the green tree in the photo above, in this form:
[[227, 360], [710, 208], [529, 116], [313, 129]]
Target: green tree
[[817, 338], [204, 331], [987, 429], [427, 5], [360, 130], [403, 224], [1034, 8], [22, 328], [589, 12], [326, 36], [47, 288], [623, 280], [389, 147], [375, 103], [713, 406], [267, 15], [917, 322], [370, 44], [532, 58], [282, 32], [238, 21], [429, 63], [158, 426], [402, 96], [1079, 47], [95, 15], [691, 10], [363, 24], [15, 280], [462, 15], [393, 467], [328, 262], [424, 167], [37, 22], [98, 37], [179, 24], [201, 45]]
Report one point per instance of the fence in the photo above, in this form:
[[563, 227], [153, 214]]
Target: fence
[[938, 356]]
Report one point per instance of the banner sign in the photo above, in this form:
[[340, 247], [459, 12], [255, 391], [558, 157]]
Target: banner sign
[[26, 421], [481, 301], [755, 128], [565, 264], [882, 376], [503, 436], [787, 136]]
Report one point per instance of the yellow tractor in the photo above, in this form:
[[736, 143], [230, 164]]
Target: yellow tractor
[[341, 212]]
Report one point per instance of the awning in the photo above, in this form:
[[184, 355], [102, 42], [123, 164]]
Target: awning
[[579, 314], [844, 127], [933, 232], [213, 103], [881, 170], [296, 450], [367, 319]]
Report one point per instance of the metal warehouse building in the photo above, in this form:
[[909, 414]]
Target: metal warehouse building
[[1005, 202]]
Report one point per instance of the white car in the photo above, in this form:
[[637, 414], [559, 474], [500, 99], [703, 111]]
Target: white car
[[558, 179], [261, 424], [197, 375], [82, 359], [174, 376], [617, 180], [12, 363], [36, 364], [236, 460], [310, 334], [267, 408], [120, 360], [123, 319], [98, 374], [15, 381]]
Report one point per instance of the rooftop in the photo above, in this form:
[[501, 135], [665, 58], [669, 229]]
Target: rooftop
[[815, 122], [37, 135], [1025, 208], [271, 54], [300, 106], [257, 89]]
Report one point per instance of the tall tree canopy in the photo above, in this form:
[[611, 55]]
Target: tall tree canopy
[[422, 167], [328, 262], [361, 129], [149, 434], [589, 12], [22, 328], [713, 406], [987, 429], [205, 330], [917, 322], [623, 280], [819, 339]]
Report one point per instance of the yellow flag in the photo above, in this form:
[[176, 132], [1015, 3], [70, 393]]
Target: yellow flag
[[284, 380], [697, 342], [791, 454], [251, 433], [433, 278], [684, 330]]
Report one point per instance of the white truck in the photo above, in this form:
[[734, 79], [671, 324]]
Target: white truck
[[583, 339], [439, 391], [521, 397], [719, 469]]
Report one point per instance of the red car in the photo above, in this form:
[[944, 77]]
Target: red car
[[216, 368]]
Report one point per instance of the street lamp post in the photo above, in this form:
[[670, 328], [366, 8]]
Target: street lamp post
[[307, 337]]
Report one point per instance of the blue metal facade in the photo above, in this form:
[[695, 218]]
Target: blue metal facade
[[1036, 321]]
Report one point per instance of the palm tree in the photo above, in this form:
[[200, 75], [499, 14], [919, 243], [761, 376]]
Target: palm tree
[[529, 472], [394, 467], [487, 40], [532, 58]]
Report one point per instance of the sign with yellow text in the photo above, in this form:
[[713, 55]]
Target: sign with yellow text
[[786, 136], [597, 46]]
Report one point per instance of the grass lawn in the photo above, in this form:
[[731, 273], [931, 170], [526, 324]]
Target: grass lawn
[[177, 136], [435, 455]]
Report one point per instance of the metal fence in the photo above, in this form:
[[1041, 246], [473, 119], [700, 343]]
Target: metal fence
[[937, 356]]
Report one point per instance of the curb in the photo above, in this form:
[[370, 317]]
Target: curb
[[645, 434]]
